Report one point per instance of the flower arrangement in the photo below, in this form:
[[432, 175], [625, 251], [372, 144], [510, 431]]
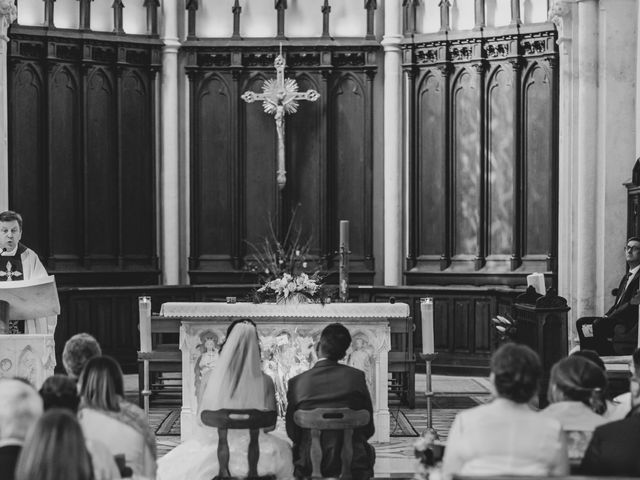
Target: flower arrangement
[[286, 268], [429, 453], [505, 328]]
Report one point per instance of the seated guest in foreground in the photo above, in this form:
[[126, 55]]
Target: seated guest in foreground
[[614, 446], [623, 401], [506, 437], [60, 391], [106, 417], [20, 408], [576, 397], [55, 449], [622, 314], [237, 382], [330, 384], [77, 351]]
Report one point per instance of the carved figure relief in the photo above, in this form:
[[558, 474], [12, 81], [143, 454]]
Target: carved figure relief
[[28, 365], [205, 361], [361, 357]]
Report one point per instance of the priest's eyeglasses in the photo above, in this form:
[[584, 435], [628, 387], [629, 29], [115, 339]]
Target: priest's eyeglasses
[[631, 248]]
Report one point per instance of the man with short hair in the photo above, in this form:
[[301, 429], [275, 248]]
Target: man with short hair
[[598, 333], [330, 384], [77, 351], [614, 447], [17, 262], [20, 408]]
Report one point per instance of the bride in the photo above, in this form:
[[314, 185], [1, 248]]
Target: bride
[[236, 382]]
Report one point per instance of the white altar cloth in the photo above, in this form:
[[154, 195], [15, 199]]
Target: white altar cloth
[[287, 346]]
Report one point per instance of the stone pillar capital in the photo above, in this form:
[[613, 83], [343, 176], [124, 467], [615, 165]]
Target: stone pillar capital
[[560, 15], [8, 13]]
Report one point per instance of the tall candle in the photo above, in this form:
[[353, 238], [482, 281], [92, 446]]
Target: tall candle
[[344, 234], [144, 308], [426, 311]]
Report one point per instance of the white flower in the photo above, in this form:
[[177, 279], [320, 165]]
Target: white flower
[[297, 253], [304, 264]]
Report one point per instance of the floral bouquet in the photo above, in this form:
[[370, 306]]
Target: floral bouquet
[[287, 270], [429, 453]]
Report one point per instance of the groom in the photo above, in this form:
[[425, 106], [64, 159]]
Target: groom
[[330, 384]]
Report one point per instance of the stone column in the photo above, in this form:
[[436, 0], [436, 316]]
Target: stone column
[[170, 219], [393, 208], [8, 14]]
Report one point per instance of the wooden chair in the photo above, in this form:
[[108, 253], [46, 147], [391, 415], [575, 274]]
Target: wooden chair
[[320, 419], [252, 420]]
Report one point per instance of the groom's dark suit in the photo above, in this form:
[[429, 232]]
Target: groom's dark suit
[[330, 384]]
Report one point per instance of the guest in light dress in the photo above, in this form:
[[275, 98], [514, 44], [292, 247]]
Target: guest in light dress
[[577, 400], [506, 436], [108, 418], [237, 382]]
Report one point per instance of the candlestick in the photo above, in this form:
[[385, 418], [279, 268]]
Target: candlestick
[[428, 390], [344, 260], [144, 307], [426, 311]]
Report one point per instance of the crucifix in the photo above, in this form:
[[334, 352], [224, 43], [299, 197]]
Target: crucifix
[[10, 273], [279, 97]]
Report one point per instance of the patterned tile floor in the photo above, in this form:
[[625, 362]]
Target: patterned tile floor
[[393, 459]]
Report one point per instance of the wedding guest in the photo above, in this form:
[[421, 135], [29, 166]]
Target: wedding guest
[[60, 391], [614, 446], [237, 382], [20, 408], [78, 349], [623, 401], [576, 397], [106, 417], [331, 384], [55, 449], [506, 437]]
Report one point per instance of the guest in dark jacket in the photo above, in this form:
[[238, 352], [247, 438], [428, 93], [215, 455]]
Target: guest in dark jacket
[[330, 384], [20, 408], [614, 446]]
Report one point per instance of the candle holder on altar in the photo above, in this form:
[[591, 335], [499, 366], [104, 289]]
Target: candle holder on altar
[[144, 309], [428, 391]]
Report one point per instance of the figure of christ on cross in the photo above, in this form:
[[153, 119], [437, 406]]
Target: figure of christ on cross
[[280, 96]]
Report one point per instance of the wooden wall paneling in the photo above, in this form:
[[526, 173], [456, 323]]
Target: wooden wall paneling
[[65, 169], [305, 168], [349, 109], [431, 167], [462, 319], [466, 165], [27, 170], [538, 161], [442, 324], [501, 176], [261, 196], [482, 329], [102, 192], [137, 168]]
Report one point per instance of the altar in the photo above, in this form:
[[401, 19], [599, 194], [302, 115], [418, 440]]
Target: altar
[[288, 334]]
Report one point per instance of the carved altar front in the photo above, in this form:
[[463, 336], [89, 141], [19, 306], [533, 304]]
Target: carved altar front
[[31, 357], [288, 334]]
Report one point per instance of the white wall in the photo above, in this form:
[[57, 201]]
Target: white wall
[[497, 13]]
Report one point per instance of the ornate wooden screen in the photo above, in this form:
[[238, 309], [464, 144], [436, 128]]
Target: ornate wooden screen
[[82, 151], [482, 136], [233, 152]]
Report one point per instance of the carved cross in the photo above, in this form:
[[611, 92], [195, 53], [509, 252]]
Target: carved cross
[[10, 273], [280, 96]]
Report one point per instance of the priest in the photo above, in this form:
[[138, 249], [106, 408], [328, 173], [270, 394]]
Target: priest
[[17, 262]]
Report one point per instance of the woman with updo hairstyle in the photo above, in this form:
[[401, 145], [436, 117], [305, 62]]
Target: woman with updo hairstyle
[[507, 436], [577, 400], [55, 449]]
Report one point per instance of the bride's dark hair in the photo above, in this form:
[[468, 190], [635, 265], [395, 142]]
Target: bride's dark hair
[[230, 328]]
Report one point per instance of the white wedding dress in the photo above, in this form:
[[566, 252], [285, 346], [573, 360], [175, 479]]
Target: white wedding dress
[[238, 383]]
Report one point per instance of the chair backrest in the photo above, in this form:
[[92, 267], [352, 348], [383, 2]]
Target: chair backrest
[[320, 419], [225, 420]]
